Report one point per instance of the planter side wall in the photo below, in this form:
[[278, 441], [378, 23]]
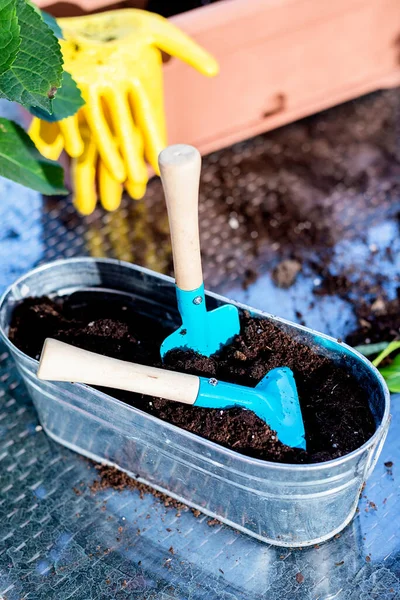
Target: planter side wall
[[280, 61]]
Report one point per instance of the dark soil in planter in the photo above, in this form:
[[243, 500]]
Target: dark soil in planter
[[109, 326]]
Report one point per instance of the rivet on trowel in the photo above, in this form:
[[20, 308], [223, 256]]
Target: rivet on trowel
[[197, 300], [213, 381]]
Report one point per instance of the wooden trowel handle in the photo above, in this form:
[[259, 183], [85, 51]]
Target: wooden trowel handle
[[180, 167], [62, 362]]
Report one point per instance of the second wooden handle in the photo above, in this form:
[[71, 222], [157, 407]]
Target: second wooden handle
[[62, 362], [180, 167]]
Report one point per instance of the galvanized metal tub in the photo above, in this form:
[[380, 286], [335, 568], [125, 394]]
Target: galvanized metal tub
[[281, 504]]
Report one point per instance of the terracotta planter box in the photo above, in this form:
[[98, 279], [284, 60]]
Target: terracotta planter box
[[280, 60]]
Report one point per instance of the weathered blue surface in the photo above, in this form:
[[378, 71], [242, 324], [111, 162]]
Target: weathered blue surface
[[21, 231], [59, 541], [21, 227]]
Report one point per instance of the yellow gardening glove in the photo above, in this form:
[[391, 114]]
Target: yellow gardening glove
[[115, 58]]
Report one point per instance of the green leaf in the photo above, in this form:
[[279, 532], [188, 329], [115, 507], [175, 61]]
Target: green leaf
[[35, 75], [392, 377], [396, 360], [390, 348], [52, 23], [21, 161], [34, 6], [371, 349], [9, 34], [67, 101], [391, 373]]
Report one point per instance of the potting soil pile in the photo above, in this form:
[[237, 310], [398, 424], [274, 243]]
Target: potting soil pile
[[335, 408]]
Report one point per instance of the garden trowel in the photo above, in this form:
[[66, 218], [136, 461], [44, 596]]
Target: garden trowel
[[203, 331], [274, 399]]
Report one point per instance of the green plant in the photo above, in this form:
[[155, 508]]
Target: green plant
[[31, 74], [391, 372]]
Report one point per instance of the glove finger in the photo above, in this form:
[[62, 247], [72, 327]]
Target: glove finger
[[129, 137], [73, 142], [150, 119], [83, 174], [172, 40], [110, 191], [103, 137], [47, 138], [135, 190]]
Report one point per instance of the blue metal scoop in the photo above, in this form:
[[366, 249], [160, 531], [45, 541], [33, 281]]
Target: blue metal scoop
[[274, 400], [206, 332], [201, 331]]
